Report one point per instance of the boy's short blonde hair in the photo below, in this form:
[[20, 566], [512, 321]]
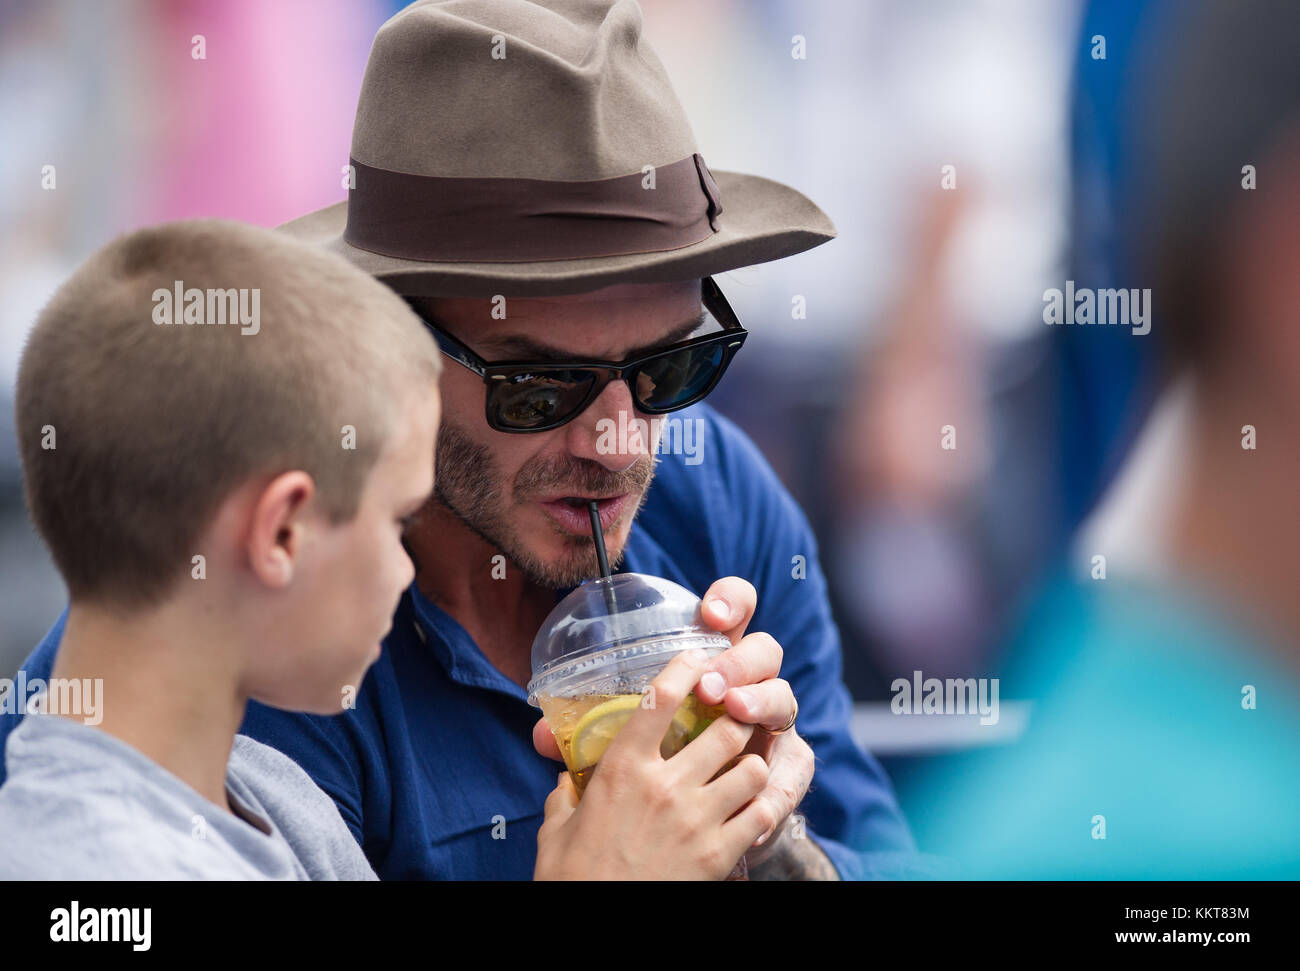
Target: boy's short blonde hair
[[133, 431]]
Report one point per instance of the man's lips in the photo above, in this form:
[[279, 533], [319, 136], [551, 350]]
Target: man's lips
[[559, 496], [576, 518]]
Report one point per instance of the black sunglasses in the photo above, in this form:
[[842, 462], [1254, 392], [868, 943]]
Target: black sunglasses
[[527, 396]]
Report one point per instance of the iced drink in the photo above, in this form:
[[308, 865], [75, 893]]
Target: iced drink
[[596, 655], [585, 725]]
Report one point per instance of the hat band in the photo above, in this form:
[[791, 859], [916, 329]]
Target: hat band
[[455, 220]]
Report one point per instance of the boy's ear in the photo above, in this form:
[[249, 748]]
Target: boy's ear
[[275, 533]]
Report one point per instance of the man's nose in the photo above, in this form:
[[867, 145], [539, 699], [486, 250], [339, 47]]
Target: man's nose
[[610, 431]]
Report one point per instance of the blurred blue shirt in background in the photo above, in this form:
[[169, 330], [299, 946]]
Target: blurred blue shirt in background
[[1164, 743]]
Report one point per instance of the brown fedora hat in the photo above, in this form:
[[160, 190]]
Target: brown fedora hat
[[533, 148]]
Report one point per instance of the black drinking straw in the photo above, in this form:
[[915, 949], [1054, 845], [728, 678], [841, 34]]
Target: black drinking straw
[[598, 537]]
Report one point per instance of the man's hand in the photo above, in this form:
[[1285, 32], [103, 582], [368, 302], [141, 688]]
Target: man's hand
[[644, 817], [746, 679]]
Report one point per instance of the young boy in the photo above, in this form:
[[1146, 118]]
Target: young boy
[[223, 432]]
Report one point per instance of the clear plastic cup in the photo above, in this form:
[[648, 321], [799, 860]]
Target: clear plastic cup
[[597, 653]]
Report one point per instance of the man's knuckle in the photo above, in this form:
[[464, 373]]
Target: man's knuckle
[[803, 751], [743, 668], [789, 793], [768, 815], [774, 646], [754, 771]]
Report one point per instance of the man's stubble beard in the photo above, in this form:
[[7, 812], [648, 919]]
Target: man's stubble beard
[[468, 485]]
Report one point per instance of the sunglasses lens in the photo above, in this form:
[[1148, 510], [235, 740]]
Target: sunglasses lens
[[676, 379], [535, 400]]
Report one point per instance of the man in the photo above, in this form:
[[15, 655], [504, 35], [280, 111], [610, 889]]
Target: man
[[526, 177]]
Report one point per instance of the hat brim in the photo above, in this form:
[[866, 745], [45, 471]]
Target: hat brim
[[761, 220]]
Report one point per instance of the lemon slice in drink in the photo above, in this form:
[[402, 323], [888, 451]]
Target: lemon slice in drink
[[597, 728]]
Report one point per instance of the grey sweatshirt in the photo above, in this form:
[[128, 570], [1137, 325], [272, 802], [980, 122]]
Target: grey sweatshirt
[[80, 804]]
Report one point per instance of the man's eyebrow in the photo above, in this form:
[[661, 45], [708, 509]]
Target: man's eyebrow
[[520, 348]]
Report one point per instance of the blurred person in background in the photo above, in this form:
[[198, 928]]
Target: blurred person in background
[[1165, 659], [1105, 380], [958, 158]]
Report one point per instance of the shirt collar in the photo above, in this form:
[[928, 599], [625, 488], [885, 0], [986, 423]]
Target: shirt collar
[[455, 649], [457, 652]]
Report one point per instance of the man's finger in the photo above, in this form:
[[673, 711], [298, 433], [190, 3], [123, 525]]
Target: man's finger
[[790, 771], [544, 741], [755, 658], [742, 829], [728, 606], [769, 704]]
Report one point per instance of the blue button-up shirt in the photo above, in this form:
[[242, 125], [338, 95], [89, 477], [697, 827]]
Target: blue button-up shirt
[[434, 768]]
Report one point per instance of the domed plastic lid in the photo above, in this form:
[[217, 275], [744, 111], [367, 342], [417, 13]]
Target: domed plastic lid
[[622, 623]]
